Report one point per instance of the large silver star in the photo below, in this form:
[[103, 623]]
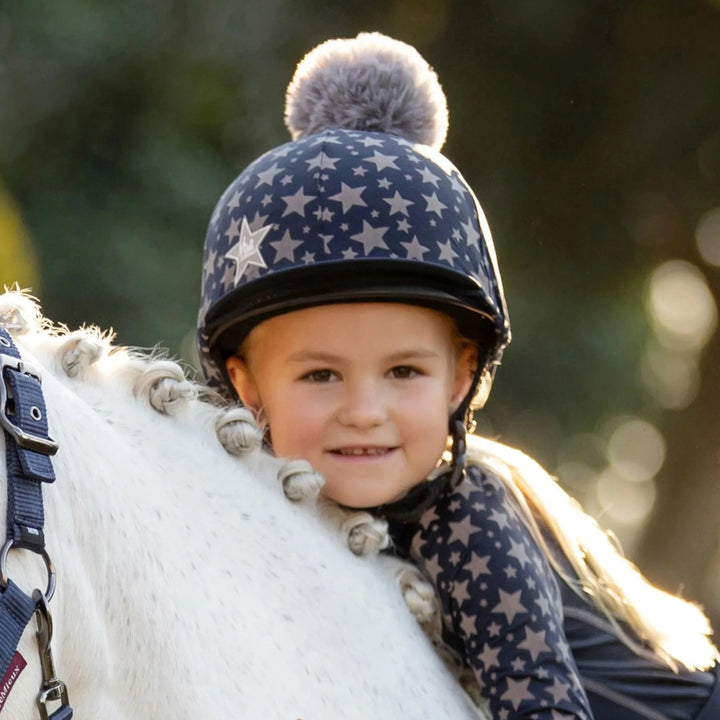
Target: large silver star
[[517, 691], [415, 251], [285, 247], [296, 203], [509, 605], [446, 252], [383, 161], [434, 204], [266, 177], [398, 204], [559, 690], [534, 643], [349, 196], [429, 177], [471, 234], [209, 266], [246, 251], [322, 161], [371, 237]]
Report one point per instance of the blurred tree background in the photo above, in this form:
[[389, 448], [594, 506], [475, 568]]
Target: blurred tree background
[[589, 129]]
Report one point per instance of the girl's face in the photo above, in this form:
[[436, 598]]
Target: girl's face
[[361, 391]]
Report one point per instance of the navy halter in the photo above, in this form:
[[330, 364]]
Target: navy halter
[[28, 448]]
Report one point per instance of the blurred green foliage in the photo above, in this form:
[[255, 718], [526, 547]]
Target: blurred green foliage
[[590, 131]]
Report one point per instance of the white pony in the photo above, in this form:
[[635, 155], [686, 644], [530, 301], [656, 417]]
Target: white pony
[[188, 585]]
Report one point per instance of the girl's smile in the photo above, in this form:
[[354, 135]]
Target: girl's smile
[[363, 391]]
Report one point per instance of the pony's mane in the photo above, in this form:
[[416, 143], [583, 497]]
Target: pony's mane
[[236, 599]]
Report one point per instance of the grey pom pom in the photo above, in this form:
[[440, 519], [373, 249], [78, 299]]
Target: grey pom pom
[[370, 83]]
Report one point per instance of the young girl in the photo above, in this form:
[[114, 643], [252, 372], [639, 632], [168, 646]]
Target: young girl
[[351, 299]]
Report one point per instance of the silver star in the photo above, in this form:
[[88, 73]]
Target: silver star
[[285, 247], [234, 200], [509, 604], [349, 254], [415, 251], [246, 251], [322, 161], [462, 529], [429, 177], [233, 230], [266, 177], [500, 518], [228, 278], [489, 657], [209, 266], [468, 624], [296, 203], [371, 142], [371, 237], [446, 251], [479, 566], [349, 197], [457, 185], [544, 605], [308, 258], [517, 691], [518, 551], [461, 592], [472, 236], [404, 225], [323, 139], [534, 643], [434, 204], [398, 204], [559, 690], [383, 161]]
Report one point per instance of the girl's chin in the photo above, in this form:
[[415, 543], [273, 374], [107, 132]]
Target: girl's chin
[[362, 499]]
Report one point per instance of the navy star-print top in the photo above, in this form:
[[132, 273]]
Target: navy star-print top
[[537, 648]]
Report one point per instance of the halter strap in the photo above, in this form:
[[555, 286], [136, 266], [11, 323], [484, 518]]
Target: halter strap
[[28, 448]]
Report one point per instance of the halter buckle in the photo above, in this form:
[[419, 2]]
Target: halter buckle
[[24, 439]]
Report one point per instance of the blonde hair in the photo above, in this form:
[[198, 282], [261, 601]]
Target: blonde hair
[[675, 630]]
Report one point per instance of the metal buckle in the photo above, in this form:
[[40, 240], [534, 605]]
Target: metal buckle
[[24, 439]]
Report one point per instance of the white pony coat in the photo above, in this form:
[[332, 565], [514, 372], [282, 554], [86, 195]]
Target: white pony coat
[[189, 587]]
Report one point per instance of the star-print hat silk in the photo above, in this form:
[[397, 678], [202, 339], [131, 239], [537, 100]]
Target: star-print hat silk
[[352, 211]]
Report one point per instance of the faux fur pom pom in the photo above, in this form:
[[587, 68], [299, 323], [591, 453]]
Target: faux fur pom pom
[[370, 83]]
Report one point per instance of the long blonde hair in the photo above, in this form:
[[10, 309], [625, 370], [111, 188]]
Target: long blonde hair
[[676, 630]]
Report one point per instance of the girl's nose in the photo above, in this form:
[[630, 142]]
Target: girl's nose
[[364, 406]]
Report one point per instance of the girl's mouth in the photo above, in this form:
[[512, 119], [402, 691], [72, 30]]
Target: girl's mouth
[[362, 451]]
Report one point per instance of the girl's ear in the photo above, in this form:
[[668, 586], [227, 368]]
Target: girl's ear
[[243, 382], [467, 360]]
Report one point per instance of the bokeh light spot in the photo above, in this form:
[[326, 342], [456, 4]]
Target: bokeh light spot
[[681, 306], [672, 378], [707, 236], [628, 503], [636, 450]]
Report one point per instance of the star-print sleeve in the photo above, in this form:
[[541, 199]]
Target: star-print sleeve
[[500, 601]]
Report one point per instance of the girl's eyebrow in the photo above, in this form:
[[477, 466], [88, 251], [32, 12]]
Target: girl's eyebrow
[[313, 356], [399, 356]]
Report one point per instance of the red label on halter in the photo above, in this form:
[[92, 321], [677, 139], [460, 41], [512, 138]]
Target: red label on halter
[[17, 665]]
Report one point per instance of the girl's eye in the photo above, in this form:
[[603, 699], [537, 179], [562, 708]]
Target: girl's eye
[[319, 376], [403, 372]]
